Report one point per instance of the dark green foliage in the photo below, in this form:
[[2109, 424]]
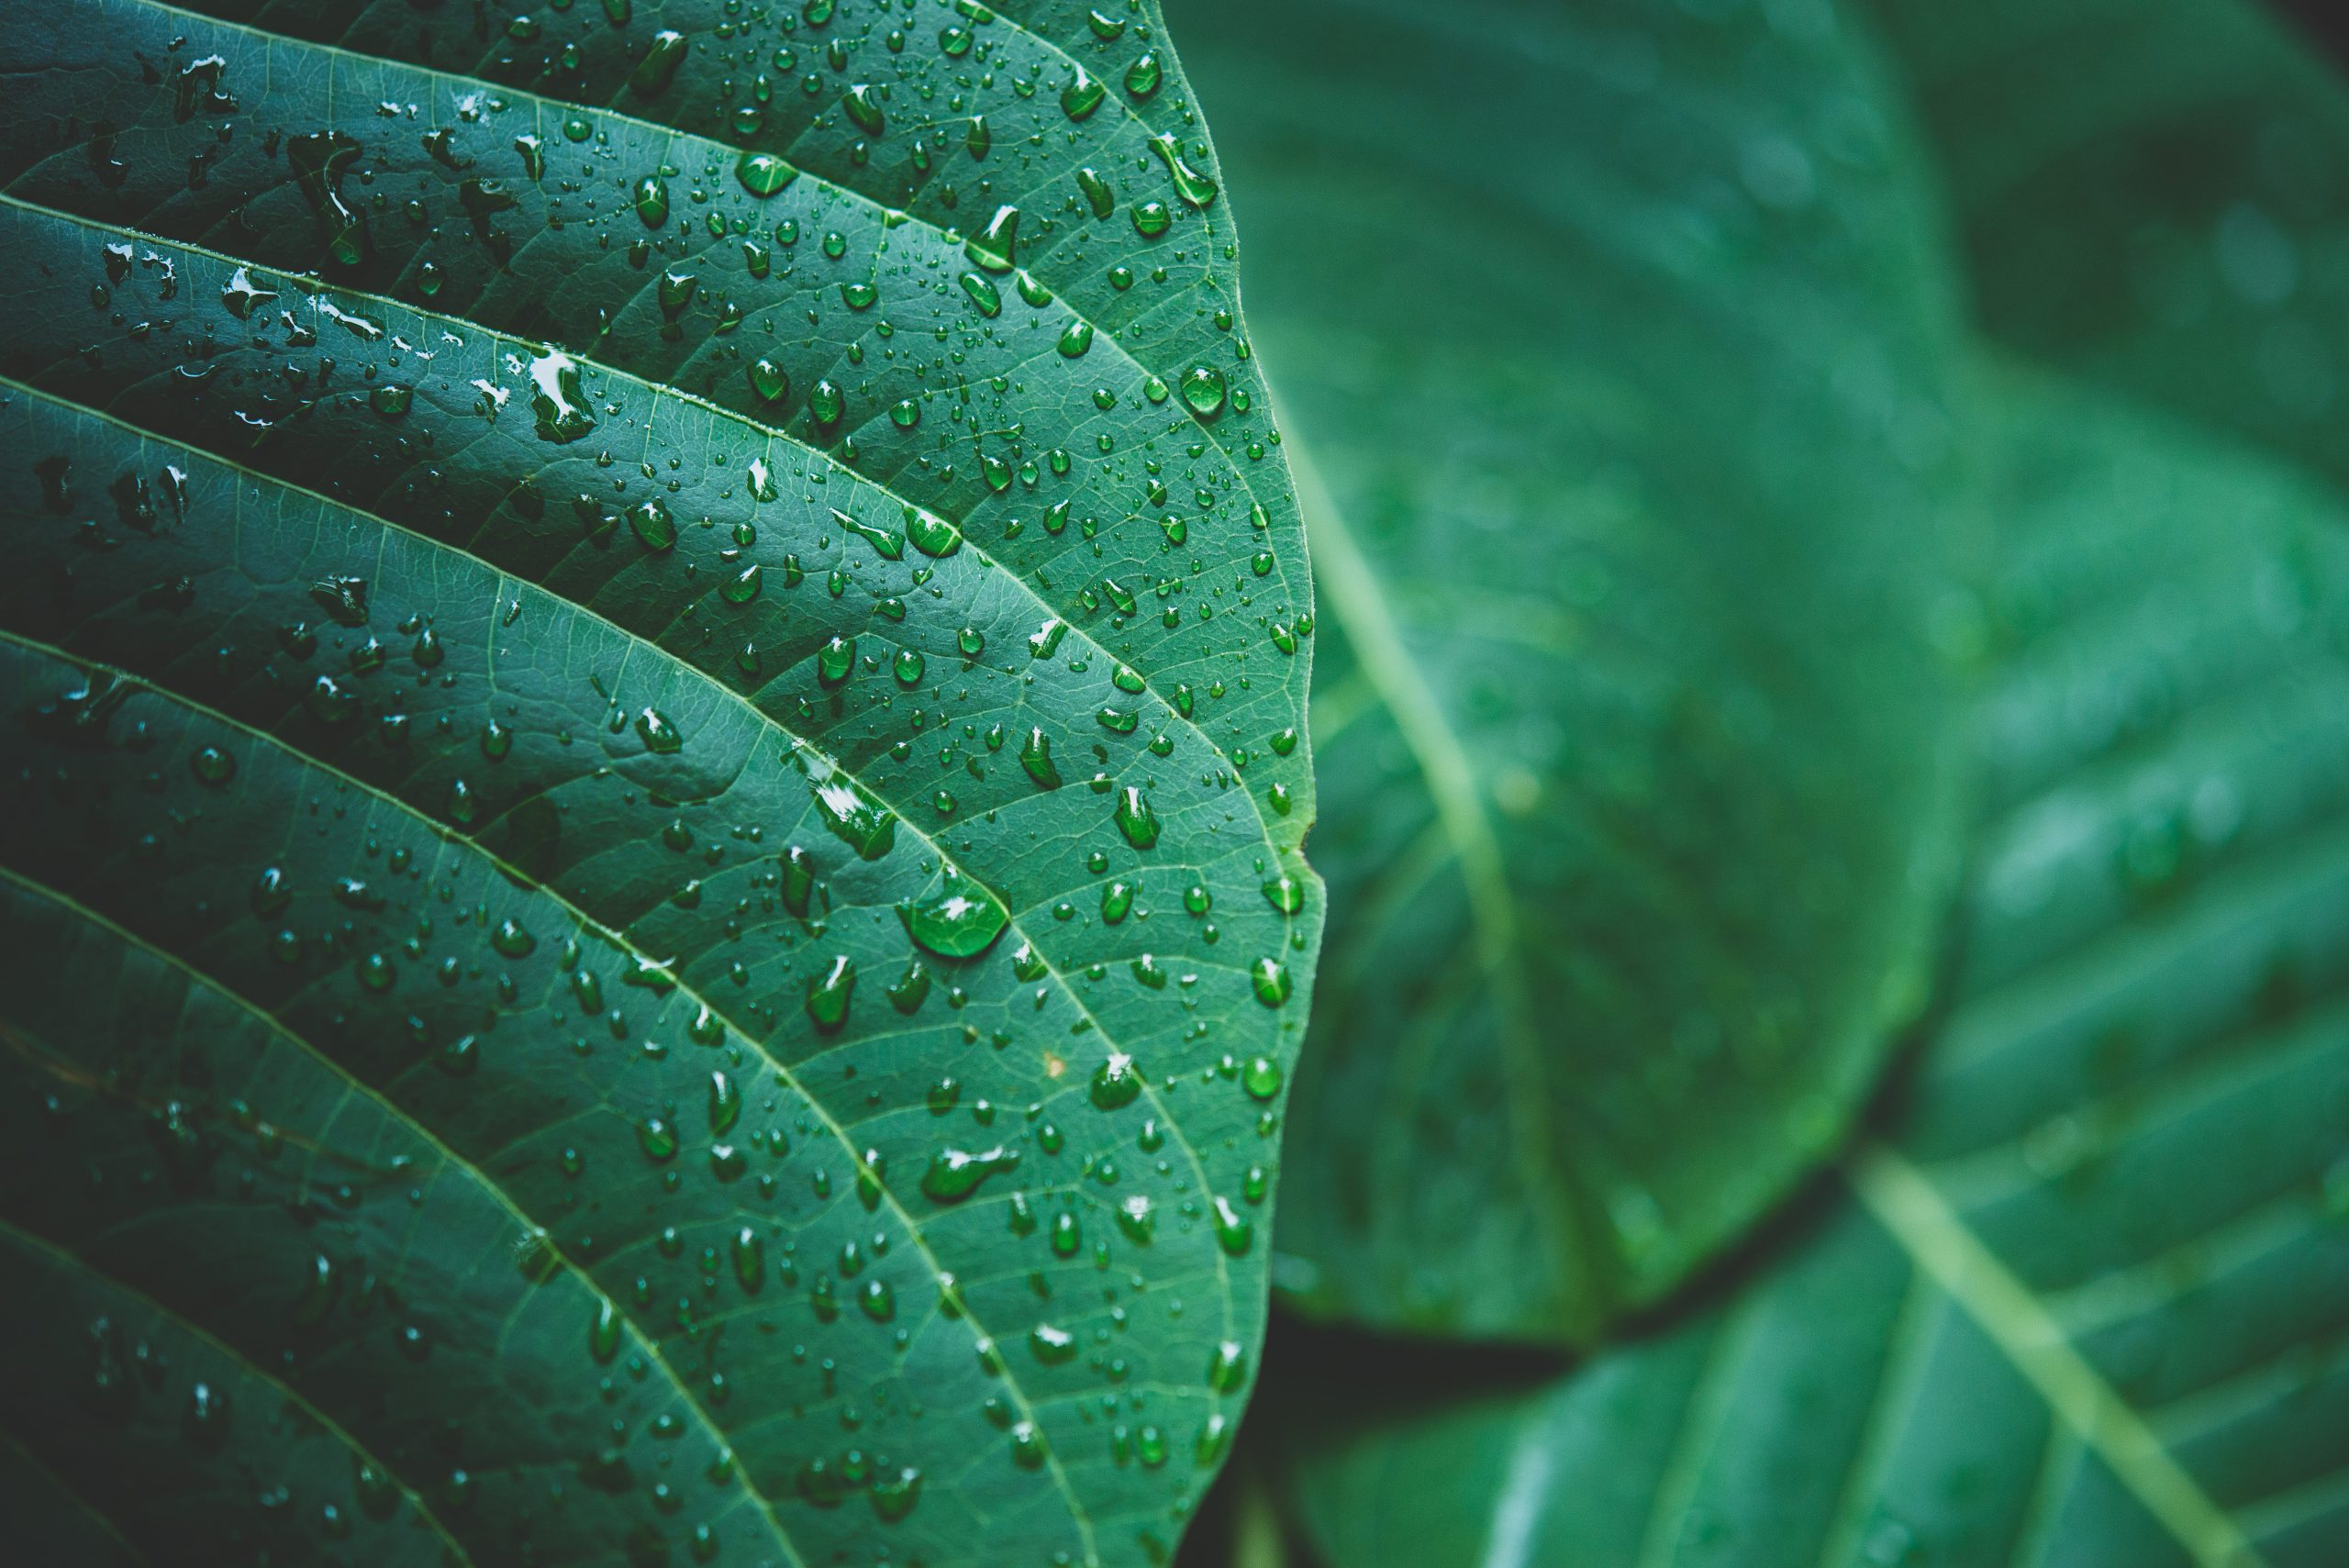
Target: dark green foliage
[[2074, 1293], [614, 729], [1622, 348]]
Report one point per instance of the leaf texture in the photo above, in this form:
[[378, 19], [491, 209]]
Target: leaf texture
[[2080, 1301], [2151, 197], [1617, 336], [652, 871]]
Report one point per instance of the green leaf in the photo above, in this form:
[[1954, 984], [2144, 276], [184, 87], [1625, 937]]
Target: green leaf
[[634, 872], [2151, 197], [1616, 337], [2081, 1300]]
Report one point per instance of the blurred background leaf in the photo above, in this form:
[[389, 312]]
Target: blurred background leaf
[[1615, 341], [2154, 196], [2079, 1293], [2082, 1298]]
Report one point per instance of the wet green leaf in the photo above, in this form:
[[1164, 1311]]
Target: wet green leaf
[[2080, 1298], [1616, 337], [505, 842]]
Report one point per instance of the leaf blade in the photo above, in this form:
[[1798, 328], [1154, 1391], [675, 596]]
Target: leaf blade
[[1584, 413], [2125, 1345], [345, 465]]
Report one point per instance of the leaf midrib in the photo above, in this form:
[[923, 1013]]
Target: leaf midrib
[[1355, 598], [1912, 1211]]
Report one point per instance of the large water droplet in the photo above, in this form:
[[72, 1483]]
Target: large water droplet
[[957, 920], [1135, 818], [1116, 1083], [829, 993], [955, 1174], [996, 246], [561, 413]]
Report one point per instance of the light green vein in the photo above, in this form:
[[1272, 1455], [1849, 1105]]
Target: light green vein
[[1899, 1380], [1703, 1412], [1351, 590], [1914, 1211]]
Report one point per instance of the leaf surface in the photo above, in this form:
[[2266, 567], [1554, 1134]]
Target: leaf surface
[[652, 881], [2080, 1301], [1615, 336], [2151, 196]]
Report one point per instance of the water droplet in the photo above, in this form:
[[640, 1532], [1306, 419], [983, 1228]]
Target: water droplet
[[750, 1260], [959, 919], [1143, 76], [955, 1174], [827, 404], [657, 1139], [1203, 389], [652, 522], [658, 67], [744, 586], [829, 993], [603, 1333], [1233, 1230], [1096, 192], [836, 660], [1261, 1078], [212, 766], [658, 733], [762, 174], [932, 535], [1028, 1449], [725, 1103], [674, 291], [652, 196], [865, 826], [895, 1492], [1036, 757], [983, 293], [556, 405], [242, 295], [1082, 95], [862, 102], [771, 383], [1196, 189], [995, 248], [1138, 823], [1116, 1083]]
